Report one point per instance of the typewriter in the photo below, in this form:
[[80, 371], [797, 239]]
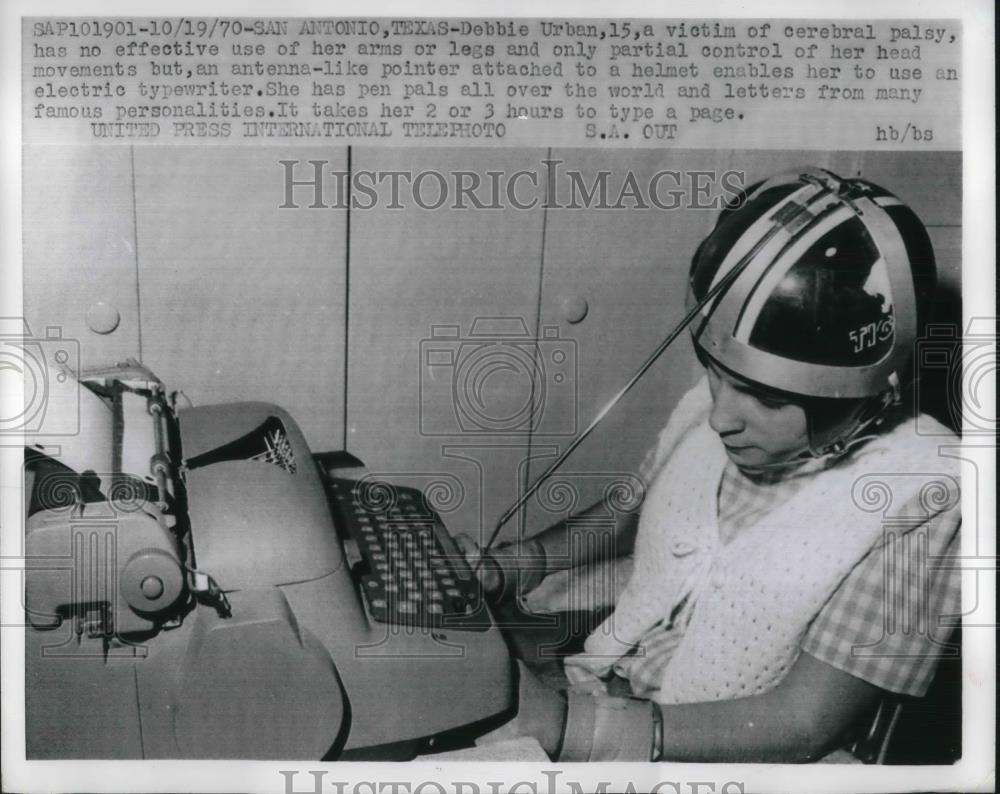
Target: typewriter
[[200, 584]]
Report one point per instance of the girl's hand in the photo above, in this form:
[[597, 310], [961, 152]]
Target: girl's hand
[[487, 572]]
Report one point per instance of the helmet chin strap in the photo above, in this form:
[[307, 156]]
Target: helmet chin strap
[[850, 435], [870, 415]]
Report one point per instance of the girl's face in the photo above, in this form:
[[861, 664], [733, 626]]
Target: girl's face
[[757, 429]]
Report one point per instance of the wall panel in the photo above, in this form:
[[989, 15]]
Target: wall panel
[[242, 300], [79, 247]]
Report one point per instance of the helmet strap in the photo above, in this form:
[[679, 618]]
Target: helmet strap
[[851, 433], [870, 415]]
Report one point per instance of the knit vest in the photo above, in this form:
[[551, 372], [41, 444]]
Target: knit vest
[[752, 599]]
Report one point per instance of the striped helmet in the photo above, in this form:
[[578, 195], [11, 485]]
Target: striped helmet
[[820, 284]]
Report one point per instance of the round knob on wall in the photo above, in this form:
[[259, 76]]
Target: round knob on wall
[[102, 318], [574, 309]]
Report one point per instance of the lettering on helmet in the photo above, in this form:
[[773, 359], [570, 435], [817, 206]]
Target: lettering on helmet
[[870, 334]]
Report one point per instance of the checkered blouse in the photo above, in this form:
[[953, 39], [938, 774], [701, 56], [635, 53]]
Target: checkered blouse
[[875, 625]]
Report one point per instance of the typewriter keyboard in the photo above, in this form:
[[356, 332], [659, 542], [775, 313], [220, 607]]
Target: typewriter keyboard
[[407, 565]]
